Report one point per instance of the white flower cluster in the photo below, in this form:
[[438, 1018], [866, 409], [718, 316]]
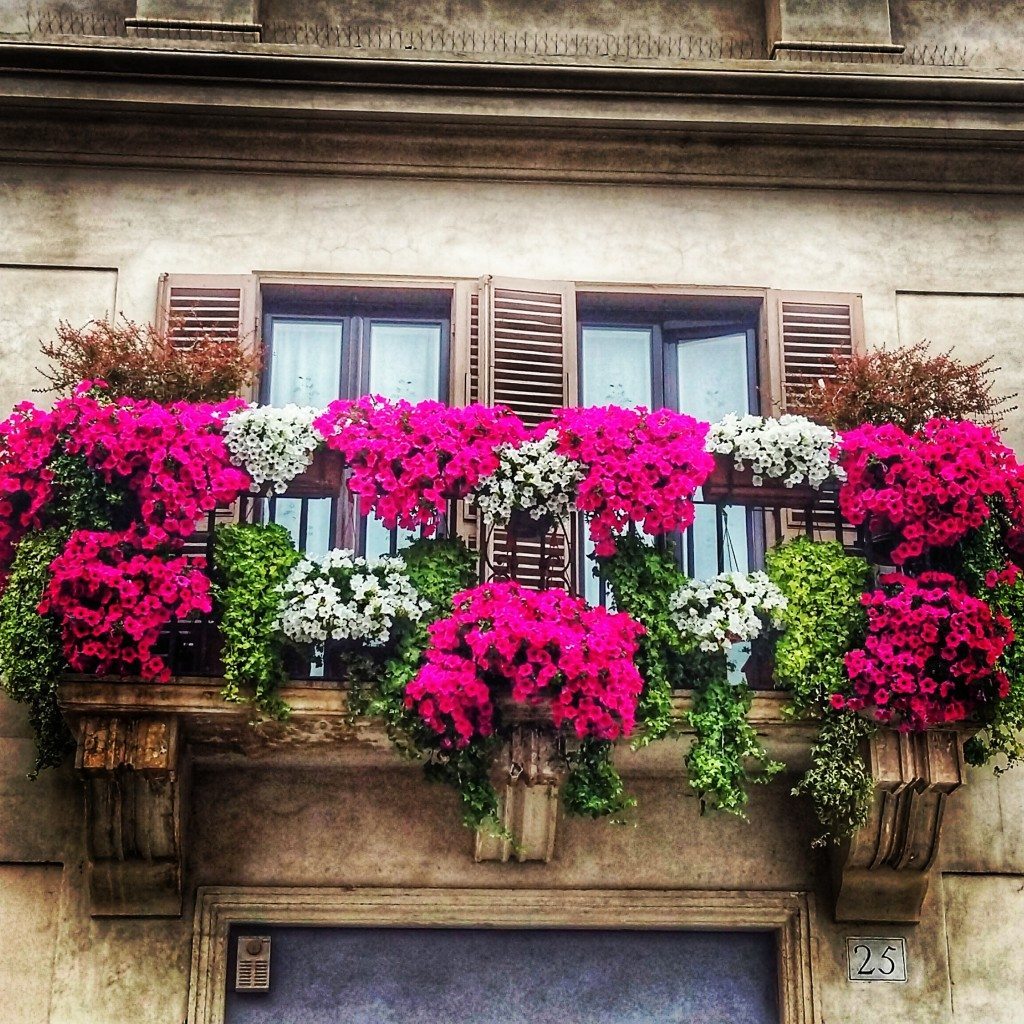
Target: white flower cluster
[[272, 444], [344, 597], [533, 477], [790, 448], [726, 610]]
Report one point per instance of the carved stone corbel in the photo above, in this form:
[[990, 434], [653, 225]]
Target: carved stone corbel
[[883, 872], [527, 778], [134, 769]]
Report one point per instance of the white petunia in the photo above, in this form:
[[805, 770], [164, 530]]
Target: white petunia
[[791, 448], [533, 477], [344, 597], [272, 444], [729, 609]]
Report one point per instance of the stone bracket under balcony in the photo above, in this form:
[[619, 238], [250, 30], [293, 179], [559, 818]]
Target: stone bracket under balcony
[[137, 741], [884, 872], [134, 769]]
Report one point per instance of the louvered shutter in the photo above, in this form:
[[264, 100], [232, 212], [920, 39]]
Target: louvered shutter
[[806, 329], [207, 305], [216, 306], [520, 351]]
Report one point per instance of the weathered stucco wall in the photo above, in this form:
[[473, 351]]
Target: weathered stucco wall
[[80, 243]]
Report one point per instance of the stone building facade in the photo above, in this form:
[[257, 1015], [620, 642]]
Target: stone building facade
[[868, 154]]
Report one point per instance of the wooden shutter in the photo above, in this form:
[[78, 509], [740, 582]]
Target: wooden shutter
[[805, 330], [519, 350], [216, 306], [208, 305]]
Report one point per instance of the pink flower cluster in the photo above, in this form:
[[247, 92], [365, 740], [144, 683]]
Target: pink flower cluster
[[541, 645], [931, 653], [931, 487], [172, 458], [406, 461], [113, 599], [27, 439], [642, 467]]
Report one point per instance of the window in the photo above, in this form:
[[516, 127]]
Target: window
[[695, 355], [324, 343]]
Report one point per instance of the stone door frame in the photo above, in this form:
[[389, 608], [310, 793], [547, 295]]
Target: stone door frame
[[787, 914]]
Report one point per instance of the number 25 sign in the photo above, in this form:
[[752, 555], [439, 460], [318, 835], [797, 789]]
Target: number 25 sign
[[873, 959]]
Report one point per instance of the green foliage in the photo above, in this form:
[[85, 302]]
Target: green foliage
[[468, 772], [594, 788], [642, 579], [981, 552], [726, 752], [83, 500], [839, 782], [250, 562], [823, 619], [439, 569], [31, 654]]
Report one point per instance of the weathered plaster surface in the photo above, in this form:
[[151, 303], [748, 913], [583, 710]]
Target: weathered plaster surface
[[28, 929], [926, 265], [983, 916]]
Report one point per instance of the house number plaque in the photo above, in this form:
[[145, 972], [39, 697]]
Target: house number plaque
[[873, 959]]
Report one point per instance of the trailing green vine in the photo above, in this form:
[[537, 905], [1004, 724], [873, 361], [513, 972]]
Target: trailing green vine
[[981, 553], [642, 579], [594, 788], [839, 782], [823, 620], [31, 655], [250, 561], [726, 753]]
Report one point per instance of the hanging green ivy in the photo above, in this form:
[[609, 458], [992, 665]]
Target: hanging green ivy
[[823, 620], [31, 655], [250, 561], [839, 782], [981, 553], [642, 578], [727, 753], [594, 788]]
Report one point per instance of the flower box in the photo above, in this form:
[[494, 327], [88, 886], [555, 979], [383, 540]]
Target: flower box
[[323, 478], [734, 486]]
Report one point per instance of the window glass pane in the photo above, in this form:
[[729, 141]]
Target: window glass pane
[[616, 370], [616, 366], [287, 512], [713, 377], [405, 360], [305, 363], [713, 380]]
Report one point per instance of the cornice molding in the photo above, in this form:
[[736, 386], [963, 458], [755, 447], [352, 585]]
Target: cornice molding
[[733, 123]]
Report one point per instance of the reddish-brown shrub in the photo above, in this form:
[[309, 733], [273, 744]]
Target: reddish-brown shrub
[[907, 387], [142, 361]]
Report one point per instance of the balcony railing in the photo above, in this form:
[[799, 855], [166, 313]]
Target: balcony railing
[[724, 537]]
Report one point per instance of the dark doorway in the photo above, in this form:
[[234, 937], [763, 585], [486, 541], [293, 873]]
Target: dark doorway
[[553, 976]]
